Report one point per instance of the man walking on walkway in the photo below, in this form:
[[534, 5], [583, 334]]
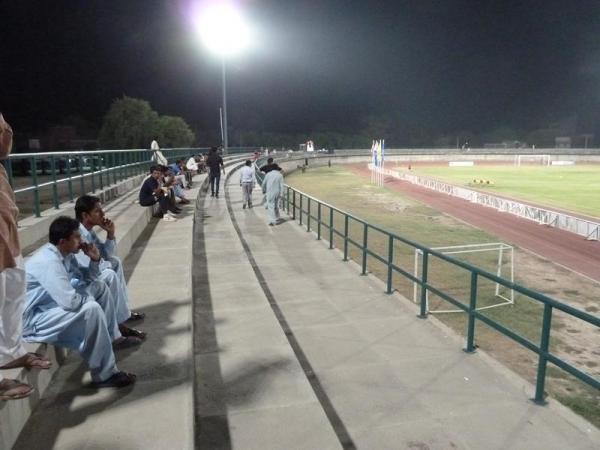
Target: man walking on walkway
[[215, 165], [274, 189], [247, 182]]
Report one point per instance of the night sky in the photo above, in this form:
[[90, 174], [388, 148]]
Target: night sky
[[317, 64]]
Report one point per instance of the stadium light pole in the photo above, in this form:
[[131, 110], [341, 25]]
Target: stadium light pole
[[225, 33]]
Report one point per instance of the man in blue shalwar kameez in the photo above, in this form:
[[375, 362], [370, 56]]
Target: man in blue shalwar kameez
[[89, 213], [71, 306], [274, 188]]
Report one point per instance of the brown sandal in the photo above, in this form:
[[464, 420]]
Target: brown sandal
[[14, 389]]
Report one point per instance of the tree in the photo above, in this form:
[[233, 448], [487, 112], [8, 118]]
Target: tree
[[174, 132], [129, 123]]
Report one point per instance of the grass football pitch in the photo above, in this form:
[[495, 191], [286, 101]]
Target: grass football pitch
[[571, 188]]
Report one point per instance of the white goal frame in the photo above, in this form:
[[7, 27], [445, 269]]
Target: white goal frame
[[500, 247], [544, 159]]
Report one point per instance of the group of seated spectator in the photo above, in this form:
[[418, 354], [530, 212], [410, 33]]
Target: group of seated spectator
[[164, 186], [76, 297]]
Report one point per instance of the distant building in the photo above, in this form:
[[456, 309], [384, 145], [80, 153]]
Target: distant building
[[562, 142]]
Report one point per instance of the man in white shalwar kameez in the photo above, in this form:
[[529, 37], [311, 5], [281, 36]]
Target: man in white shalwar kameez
[[273, 188], [69, 305], [247, 182], [89, 213]]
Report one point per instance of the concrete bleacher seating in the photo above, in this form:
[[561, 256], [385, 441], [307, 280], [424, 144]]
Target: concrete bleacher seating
[[130, 219], [120, 202]]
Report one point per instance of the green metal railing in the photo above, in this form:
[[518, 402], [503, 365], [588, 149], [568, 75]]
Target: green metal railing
[[301, 206], [40, 179]]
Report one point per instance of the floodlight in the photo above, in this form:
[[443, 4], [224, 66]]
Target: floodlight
[[222, 28]]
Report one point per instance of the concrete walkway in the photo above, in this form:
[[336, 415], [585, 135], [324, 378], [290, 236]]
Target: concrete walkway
[[295, 350], [292, 349]]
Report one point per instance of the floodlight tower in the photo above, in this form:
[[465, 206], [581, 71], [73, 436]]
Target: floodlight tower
[[225, 33]]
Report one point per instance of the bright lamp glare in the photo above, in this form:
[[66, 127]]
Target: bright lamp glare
[[222, 29]]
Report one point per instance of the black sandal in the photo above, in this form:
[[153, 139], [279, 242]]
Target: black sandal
[[118, 380], [135, 316], [132, 332], [127, 342]]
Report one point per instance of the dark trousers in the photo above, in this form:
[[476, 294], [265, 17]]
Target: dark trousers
[[215, 179], [165, 204]]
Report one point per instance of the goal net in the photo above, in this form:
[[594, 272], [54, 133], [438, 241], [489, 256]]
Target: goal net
[[494, 257], [543, 160]]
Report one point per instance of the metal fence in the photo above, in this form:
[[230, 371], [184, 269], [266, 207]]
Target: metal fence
[[302, 207], [49, 179]]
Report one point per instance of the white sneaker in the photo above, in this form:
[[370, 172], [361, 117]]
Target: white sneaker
[[168, 218]]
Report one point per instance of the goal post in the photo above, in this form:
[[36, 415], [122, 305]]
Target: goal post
[[503, 267], [543, 160]]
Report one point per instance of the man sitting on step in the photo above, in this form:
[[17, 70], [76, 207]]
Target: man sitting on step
[[77, 313], [89, 213]]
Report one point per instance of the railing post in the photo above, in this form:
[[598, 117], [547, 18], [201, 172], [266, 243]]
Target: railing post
[[300, 210], [330, 228], [543, 360], [81, 180], [390, 261], [294, 205], [346, 237], [472, 308], [113, 159], [55, 200], [36, 191], [9, 172], [100, 171], [319, 221], [308, 215], [287, 200], [69, 181], [424, 267], [364, 249]]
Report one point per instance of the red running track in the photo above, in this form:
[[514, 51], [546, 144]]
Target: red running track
[[565, 248]]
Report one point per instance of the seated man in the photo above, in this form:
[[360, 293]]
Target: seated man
[[89, 213], [176, 179], [177, 172], [71, 312], [152, 192]]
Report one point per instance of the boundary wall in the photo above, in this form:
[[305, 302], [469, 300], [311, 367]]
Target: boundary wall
[[563, 221], [585, 227]]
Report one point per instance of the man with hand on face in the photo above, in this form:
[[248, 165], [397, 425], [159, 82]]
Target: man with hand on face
[[69, 305], [89, 213]]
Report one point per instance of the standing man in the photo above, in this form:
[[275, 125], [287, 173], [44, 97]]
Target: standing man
[[157, 155], [274, 188], [89, 213], [215, 165], [247, 182], [12, 285]]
